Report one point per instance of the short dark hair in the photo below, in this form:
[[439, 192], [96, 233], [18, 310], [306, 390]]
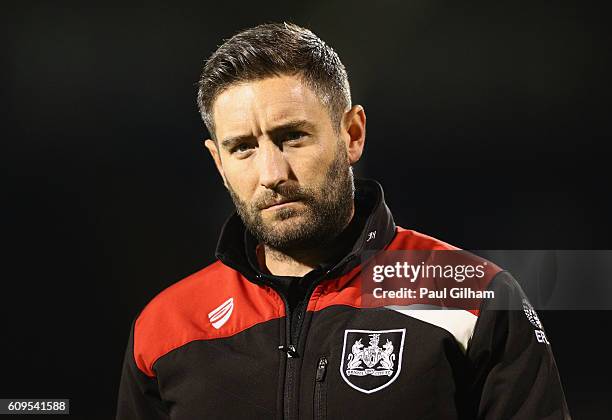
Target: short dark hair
[[275, 49]]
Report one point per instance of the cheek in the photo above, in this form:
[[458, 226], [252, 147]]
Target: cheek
[[317, 165], [242, 180], [311, 169]]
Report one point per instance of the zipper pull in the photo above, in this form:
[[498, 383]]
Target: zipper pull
[[321, 369], [290, 350]]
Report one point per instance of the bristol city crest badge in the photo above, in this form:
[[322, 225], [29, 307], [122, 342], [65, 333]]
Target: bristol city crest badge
[[372, 360]]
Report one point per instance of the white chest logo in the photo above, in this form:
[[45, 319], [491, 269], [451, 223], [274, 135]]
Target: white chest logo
[[219, 316], [373, 367]]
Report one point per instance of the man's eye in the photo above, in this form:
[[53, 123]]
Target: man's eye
[[294, 135], [241, 148]]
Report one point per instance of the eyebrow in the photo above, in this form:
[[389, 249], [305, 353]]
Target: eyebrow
[[229, 142]]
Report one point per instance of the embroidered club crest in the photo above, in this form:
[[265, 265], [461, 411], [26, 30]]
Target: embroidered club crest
[[372, 360]]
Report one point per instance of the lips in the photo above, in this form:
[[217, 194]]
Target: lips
[[278, 203]]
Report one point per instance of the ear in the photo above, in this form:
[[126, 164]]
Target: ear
[[353, 129], [214, 152]]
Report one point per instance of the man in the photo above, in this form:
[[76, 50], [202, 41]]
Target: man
[[277, 327]]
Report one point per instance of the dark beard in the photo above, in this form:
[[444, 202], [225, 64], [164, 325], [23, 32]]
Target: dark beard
[[327, 213]]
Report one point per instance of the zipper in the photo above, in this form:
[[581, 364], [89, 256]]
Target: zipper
[[294, 330], [288, 348], [292, 335], [320, 392]]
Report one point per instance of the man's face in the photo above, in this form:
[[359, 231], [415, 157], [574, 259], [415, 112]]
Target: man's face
[[286, 168]]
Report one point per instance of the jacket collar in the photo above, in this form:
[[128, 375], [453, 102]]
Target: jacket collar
[[378, 231]]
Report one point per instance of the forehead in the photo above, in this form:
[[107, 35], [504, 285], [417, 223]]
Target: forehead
[[262, 103]]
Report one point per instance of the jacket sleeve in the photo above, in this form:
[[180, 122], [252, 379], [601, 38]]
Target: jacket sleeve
[[514, 371], [139, 396]]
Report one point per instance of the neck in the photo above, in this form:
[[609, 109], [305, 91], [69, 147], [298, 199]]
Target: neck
[[298, 263]]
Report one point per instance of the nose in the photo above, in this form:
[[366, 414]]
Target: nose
[[273, 167]]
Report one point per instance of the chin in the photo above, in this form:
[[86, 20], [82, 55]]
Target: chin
[[287, 227], [287, 214]]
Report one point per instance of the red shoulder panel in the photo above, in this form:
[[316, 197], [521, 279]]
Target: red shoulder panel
[[348, 289], [412, 240], [214, 302]]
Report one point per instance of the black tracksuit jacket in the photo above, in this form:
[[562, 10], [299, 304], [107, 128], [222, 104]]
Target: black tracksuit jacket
[[226, 343]]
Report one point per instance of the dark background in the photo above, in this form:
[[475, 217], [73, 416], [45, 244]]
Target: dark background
[[487, 127]]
